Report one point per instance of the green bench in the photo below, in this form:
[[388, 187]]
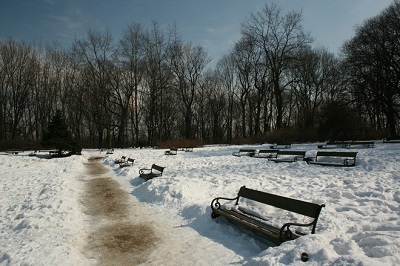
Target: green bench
[[289, 156], [264, 226], [244, 152], [268, 154], [150, 173], [333, 158], [128, 162]]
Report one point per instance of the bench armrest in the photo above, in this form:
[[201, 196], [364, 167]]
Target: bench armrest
[[349, 161], [144, 171], [286, 234], [215, 204]]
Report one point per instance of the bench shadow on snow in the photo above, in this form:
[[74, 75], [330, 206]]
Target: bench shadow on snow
[[241, 241]]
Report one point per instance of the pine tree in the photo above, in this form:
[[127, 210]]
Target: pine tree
[[59, 137]]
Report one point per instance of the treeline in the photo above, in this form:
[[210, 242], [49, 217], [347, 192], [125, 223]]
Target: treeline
[[151, 86]]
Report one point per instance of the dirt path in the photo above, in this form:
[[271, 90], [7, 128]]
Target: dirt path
[[116, 238], [124, 231]]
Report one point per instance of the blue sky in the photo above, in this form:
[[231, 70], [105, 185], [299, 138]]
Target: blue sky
[[214, 24]]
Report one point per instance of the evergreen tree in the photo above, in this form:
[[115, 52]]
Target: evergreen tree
[[59, 137]]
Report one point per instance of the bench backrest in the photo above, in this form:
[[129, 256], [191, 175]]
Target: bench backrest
[[247, 150], [288, 152], [298, 206], [337, 154], [131, 160], [157, 168], [337, 143]]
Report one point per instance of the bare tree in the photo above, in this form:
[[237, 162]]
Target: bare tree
[[96, 54], [373, 63], [132, 56], [157, 84], [225, 70], [188, 63], [279, 37], [18, 74]]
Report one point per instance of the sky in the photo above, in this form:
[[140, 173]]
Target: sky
[[213, 24]]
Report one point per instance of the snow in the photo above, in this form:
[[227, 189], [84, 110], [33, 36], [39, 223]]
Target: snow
[[49, 213]]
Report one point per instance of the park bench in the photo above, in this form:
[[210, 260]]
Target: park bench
[[14, 152], [154, 171], [244, 152], [172, 151], [347, 144], [268, 154], [288, 156], [267, 226], [281, 146], [128, 162], [391, 140], [119, 161], [334, 145], [363, 144], [333, 158]]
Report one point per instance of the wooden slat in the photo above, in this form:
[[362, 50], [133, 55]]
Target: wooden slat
[[298, 206]]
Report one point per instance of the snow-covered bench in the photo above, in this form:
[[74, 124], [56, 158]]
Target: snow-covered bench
[[263, 226], [334, 158], [269, 154], [172, 151], [129, 162], [244, 152], [281, 146], [154, 171], [289, 156], [122, 160]]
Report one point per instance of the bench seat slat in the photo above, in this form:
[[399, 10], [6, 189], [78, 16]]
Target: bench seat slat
[[268, 231]]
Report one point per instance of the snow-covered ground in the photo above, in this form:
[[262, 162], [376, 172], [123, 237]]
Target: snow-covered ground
[[43, 219]]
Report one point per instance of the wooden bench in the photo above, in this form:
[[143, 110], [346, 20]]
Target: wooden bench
[[154, 171], [391, 140], [288, 156], [129, 162], [244, 152], [334, 145], [347, 144], [364, 144], [172, 151], [268, 154], [281, 146], [263, 226], [333, 158], [14, 152], [119, 161]]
